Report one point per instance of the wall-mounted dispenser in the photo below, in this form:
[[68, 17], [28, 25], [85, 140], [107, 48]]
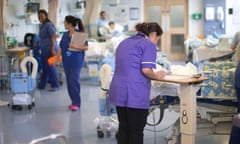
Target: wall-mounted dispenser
[[220, 16]]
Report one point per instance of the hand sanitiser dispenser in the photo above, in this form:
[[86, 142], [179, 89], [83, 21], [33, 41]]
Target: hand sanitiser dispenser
[[220, 16]]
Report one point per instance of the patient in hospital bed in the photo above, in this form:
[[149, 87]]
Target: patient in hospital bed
[[217, 90]]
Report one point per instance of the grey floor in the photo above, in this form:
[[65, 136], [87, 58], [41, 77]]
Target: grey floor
[[51, 115]]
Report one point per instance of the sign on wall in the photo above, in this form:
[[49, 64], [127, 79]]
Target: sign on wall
[[117, 13]]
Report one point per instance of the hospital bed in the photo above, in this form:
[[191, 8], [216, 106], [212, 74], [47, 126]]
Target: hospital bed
[[199, 50], [100, 53], [216, 100]]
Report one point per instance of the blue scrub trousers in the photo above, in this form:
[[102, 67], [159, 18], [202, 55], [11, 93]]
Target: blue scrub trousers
[[73, 85], [49, 73]]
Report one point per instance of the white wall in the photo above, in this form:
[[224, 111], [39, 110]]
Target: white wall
[[195, 27], [233, 21], [15, 21], [124, 4], [67, 7], [195, 6]]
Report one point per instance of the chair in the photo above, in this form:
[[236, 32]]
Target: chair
[[105, 75]]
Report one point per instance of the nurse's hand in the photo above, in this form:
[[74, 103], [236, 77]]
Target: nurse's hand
[[154, 75], [71, 45], [160, 74], [78, 47]]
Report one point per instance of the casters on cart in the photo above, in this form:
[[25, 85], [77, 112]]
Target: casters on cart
[[20, 107], [101, 134], [105, 126]]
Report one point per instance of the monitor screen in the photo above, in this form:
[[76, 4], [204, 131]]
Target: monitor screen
[[32, 7]]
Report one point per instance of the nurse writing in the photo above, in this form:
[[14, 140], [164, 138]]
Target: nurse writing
[[72, 60], [48, 46], [235, 46], [130, 86]]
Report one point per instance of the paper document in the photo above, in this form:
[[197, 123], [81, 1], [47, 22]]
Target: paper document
[[79, 38]]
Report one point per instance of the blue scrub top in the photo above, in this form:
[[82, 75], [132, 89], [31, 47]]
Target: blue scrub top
[[129, 87], [71, 59], [103, 22], [46, 30], [36, 50]]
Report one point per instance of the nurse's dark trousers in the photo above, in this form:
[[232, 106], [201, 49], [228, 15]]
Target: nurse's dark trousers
[[237, 84], [235, 133], [49, 73], [131, 125], [73, 85]]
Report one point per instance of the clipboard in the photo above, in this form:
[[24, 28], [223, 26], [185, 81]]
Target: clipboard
[[79, 38]]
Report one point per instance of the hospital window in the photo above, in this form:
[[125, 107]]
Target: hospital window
[[177, 43], [177, 16]]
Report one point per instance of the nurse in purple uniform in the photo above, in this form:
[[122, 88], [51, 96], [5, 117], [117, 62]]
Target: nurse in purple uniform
[[130, 87]]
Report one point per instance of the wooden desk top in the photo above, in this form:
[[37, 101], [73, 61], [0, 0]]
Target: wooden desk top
[[17, 49], [182, 79]]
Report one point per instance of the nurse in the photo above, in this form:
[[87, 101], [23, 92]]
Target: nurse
[[72, 60], [235, 132], [130, 86], [235, 46], [48, 46]]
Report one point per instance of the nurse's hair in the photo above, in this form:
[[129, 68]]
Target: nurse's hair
[[147, 28], [75, 21], [45, 13]]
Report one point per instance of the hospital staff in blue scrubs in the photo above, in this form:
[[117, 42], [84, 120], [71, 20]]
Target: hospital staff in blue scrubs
[[235, 46], [130, 86], [72, 59], [48, 45], [31, 40], [235, 132]]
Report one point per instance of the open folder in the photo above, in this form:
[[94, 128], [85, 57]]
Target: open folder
[[78, 38]]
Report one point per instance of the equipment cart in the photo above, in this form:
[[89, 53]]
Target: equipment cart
[[106, 122]]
